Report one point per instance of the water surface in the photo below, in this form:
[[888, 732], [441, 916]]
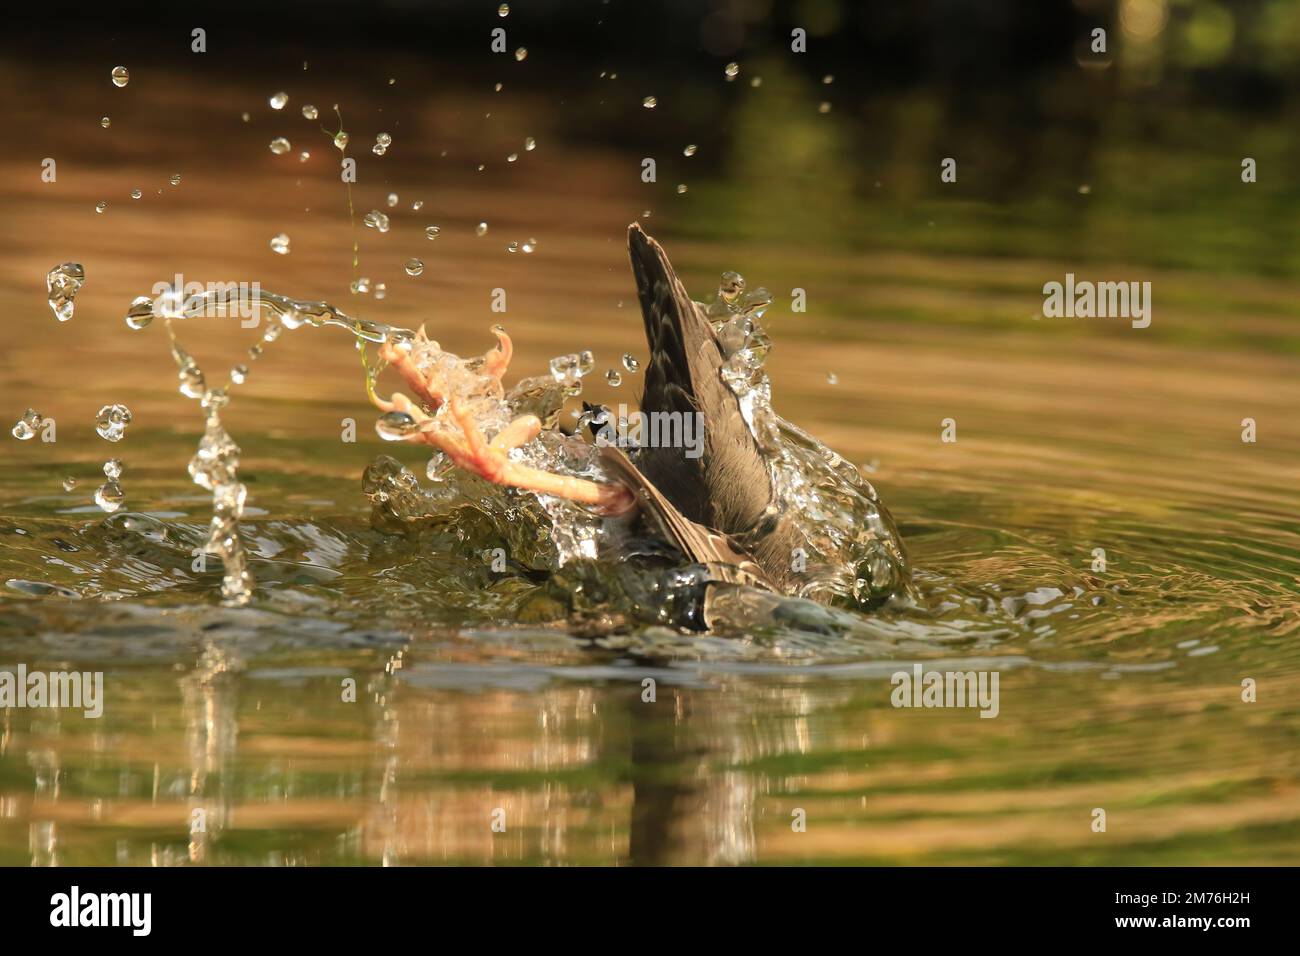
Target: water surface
[[1120, 689]]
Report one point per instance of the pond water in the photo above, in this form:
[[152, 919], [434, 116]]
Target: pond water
[[1120, 675]]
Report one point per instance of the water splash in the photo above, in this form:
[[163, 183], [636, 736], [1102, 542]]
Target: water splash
[[111, 422], [110, 496], [28, 425], [836, 511], [63, 282]]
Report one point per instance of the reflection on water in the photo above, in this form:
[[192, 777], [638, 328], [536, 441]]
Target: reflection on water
[[585, 771], [230, 734]]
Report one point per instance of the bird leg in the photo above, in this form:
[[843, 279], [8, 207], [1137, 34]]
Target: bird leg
[[466, 445]]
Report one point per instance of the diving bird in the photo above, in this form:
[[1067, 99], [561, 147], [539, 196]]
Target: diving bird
[[722, 508], [720, 504]]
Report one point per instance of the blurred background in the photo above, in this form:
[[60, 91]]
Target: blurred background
[[817, 171]]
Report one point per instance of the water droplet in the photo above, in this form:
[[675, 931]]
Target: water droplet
[[681, 188], [529, 245], [630, 363], [110, 496], [521, 54], [432, 232], [512, 157], [381, 290], [136, 194], [309, 112], [113, 468], [304, 156], [383, 139], [376, 220], [530, 144], [216, 398], [832, 378], [239, 374], [417, 205], [503, 10], [28, 424], [481, 229], [280, 244], [824, 107], [731, 287], [341, 139], [100, 206], [245, 117], [105, 122], [586, 362], [176, 179], [689, 150], [279, 146], [62, 283], [141, 313], [414, 267], [1084, 189], [614, 379], [69, 484], [111, 422], [513, 247], [650, 102], [564, 369], [192, 384], [828, 79], [392, 200], [278, 100], [732, 70], [395, 426], [120, 76], [756, 82], [378, 150]]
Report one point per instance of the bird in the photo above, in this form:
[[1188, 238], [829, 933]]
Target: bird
[[720, 508], [717, 502]]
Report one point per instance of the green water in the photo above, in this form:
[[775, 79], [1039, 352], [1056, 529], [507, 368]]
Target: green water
[[517, 698]]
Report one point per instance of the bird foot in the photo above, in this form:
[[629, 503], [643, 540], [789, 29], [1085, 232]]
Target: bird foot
[[440, 378]]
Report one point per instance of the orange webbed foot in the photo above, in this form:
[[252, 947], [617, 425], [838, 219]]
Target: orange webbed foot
[[466, 445]]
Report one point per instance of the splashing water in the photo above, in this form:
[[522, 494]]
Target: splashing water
[[63, 282], [28, 425], [110, 496], [834, 509], [111, 422]]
